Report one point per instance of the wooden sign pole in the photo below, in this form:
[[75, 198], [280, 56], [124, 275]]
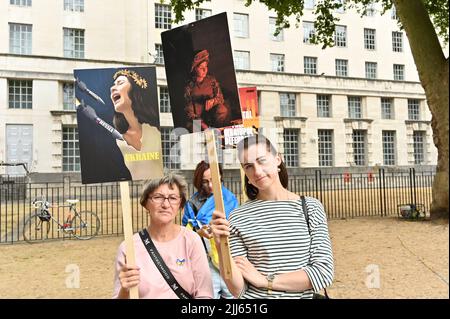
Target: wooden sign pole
[[218, 200], [244, 197], [128, 231]]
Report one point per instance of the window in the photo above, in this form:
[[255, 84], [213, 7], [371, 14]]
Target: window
[[371, 70], [20, 94], [291, 147], [74, 5], [397, 41], [323, 105], [359, 147], [371, 10], [340, 36], [325, 147], [354, 107], [242, 60], [159, 59], [341, 67], [70, 149], [413, 109], [73, 43], [388, 147], [369, 39], [163, 16], [386, 108], [202, 13], [240, 25], [272, 29], [309, 4], [164, 100], [393, 13], [287, 104], [308, 31], [68, 97], [20, 38], [399, 72], [310, 65], [419, 147], [277, 62], [22, 3], [170, 148]]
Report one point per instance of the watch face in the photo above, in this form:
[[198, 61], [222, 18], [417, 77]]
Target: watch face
[[270, 277]]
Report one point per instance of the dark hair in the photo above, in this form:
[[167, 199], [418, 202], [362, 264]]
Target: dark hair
[[170, 179], [144, 113], [198, 174], [244, 144]]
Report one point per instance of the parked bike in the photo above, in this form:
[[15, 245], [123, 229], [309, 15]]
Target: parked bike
[[81, 225]]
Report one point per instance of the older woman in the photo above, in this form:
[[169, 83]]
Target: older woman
[[180, 249]]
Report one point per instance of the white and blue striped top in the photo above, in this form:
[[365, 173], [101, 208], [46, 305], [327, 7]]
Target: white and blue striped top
[[274, 237]]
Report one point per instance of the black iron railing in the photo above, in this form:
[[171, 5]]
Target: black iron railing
[[343, 195]]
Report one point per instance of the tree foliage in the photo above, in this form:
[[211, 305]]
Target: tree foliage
[[325, 12]]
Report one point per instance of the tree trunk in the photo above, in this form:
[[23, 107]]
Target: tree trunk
[[433, 73]]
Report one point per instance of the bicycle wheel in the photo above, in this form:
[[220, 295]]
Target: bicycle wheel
[[35, 229], [85, 225]]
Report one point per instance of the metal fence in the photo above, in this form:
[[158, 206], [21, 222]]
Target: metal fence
[[343, 196]]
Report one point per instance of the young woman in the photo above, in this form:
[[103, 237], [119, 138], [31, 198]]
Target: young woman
[[138, 123], [197, 215], [276, 252], [181, 249]]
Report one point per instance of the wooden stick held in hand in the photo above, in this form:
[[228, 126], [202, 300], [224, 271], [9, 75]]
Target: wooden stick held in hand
[[128, 231], [218, 200]]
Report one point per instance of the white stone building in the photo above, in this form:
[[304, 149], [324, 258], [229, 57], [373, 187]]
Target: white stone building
[[359, 103]]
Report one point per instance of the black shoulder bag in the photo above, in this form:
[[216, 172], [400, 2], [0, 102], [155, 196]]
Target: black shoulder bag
[[305, 211], [162, 267]]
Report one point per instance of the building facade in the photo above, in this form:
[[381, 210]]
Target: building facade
[[357, 104]]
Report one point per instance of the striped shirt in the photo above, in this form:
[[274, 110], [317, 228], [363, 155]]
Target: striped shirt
[[274, 237]]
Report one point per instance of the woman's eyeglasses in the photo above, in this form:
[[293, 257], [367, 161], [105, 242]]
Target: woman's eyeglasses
[[159, 199]]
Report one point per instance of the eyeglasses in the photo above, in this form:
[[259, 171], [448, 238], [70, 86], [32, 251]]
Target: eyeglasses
[[159, 199]]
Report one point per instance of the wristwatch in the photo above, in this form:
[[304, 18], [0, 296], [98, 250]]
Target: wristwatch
[[270, 278]]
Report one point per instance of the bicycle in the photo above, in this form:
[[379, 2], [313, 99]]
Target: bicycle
[[82, 225]]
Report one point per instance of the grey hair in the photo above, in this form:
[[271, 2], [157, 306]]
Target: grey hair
[[170, 179]]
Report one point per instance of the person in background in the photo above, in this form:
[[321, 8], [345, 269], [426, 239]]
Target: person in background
[[197, 215]]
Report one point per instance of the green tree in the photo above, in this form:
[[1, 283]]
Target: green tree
[[424, 21]]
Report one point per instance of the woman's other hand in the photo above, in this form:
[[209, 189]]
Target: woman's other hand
[[129, 277], [250, 273], [205, 232]]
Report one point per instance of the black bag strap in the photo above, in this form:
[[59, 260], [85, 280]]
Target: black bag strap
[[305, 211], [162, 267]]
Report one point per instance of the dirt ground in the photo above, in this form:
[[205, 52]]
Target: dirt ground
[[374, 258]]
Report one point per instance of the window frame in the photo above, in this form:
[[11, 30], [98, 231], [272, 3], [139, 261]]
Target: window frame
[[325, 149], [163, 16], [23, 89], [291, 154], [70, 36]]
